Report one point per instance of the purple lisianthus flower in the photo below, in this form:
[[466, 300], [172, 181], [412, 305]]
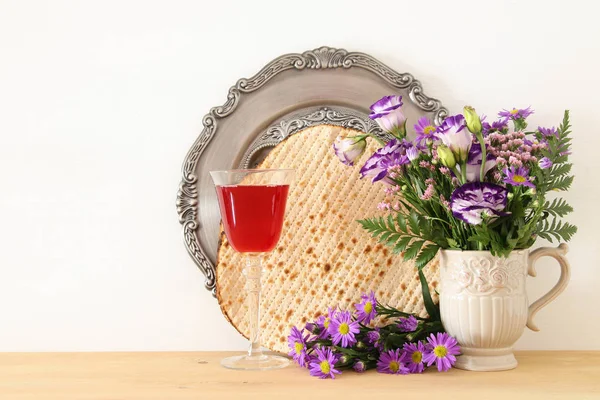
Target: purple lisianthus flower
[[393, 154], [349, 149], [413, 357], [545, 163], [359, 366], [408, 324], [365, 310], [323, 365], [474, 163], [496, 126], [517, 176], [441, 350], [387, 113], [454, 134], [389, 363], [297, 345], [471, 201], [342, 329], [516, 113], [547, 132], [426, 131]]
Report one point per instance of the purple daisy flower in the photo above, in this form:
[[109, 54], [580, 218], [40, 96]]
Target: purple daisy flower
[[359, 366], [497, 126], [426, 131], [323, 365], [516, 113], [474, 163], [387, 113], [389, 363], [412, 153], [312, 327], [408, 324], [413, 357], [297, 345], [373, 337], [517, 177], [393, 154], [471, 201], [365, 310], [342, 329], [454, 134], [320, 327], [545, 163], [548, 132], [441, 350]]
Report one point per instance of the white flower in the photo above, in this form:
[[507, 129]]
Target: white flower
[[349, 149]]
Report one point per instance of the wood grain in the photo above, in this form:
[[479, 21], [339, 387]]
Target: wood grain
[[165, 376]]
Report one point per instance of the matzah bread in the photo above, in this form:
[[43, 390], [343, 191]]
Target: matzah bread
[[324, 257]]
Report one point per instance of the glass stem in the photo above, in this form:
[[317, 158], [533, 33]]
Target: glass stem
[[253, 274]]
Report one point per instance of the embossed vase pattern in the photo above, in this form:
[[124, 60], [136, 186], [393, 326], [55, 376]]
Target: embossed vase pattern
[[483, 303]]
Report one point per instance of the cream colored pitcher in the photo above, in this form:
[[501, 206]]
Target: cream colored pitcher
[[483, 302]]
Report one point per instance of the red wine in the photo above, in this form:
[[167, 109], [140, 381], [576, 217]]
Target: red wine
[[252, 215]]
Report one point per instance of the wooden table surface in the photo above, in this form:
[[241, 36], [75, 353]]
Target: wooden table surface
[[166, 376]]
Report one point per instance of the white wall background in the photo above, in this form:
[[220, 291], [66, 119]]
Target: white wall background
[[100, 100]]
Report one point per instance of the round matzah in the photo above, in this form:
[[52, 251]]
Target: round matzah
[[324, 257]]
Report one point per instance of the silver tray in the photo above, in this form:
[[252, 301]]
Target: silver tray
[[291, 93]]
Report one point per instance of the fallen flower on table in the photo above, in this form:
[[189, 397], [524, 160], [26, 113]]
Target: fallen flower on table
[[341, 341]]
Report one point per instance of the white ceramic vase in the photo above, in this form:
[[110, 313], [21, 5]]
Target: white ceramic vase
[[483, 302]]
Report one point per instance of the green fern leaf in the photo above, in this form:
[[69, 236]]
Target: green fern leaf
[[427, 254], [413, 249]]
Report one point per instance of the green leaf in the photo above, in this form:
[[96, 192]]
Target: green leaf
[[390, 223], [394, 237], [413, 222], [430, 306], [384, 237], [413, 249], [556, 229], [560, 169], [402, 244], [561, 183], [452, 243], [401, 219], [558, 207], [481, 236], [427, 254]]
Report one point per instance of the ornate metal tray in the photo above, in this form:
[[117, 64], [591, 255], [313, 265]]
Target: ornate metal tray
[[291, 93]]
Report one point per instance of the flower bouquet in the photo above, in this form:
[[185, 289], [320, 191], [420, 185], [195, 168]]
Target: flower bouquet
[[479, 193], [444, 195], [399, 343]]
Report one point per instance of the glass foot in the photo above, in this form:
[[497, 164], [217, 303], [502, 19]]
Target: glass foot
[[262, 362]]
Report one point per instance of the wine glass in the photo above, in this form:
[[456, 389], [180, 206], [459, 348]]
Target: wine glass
[[252, 204]]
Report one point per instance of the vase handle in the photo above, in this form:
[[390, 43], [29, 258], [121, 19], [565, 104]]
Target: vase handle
[[557, 253]]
